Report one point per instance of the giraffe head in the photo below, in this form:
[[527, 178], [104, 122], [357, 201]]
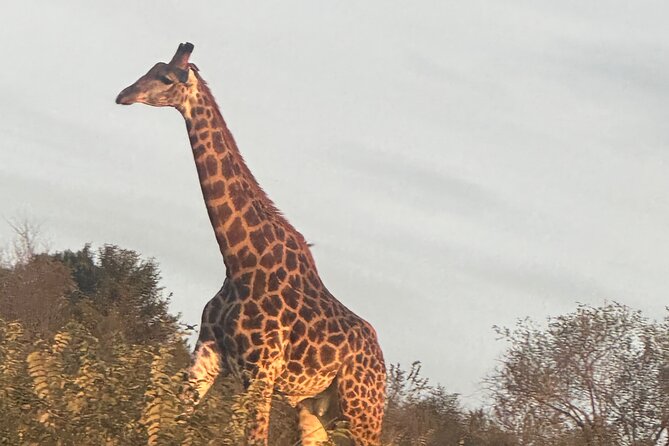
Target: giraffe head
[[165, 85]]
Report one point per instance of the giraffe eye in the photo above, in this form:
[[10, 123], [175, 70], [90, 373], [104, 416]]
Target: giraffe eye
[[166, 80]]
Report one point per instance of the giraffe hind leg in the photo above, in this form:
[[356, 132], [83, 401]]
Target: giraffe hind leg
[[316, 415], [361, 398], [312, 431]]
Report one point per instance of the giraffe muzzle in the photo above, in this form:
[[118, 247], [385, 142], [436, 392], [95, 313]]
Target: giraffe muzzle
[[127, 96]]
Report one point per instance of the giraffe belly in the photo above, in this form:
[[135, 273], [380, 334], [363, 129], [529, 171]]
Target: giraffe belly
[[297, 387]]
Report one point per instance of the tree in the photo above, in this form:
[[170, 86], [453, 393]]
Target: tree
[[592, 377], [26, 244], [112, 292], [118, 293], [36, 293]]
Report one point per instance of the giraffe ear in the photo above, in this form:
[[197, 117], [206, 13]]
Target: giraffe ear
[[180, 58], [182, 75]]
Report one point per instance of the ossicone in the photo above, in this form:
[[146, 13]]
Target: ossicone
[[180, 59]]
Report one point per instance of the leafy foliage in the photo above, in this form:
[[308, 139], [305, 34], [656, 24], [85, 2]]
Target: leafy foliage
[[419, 414], [64, 392], [94, 357], [89, 354]]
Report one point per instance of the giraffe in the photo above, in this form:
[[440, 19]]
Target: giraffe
[[273, 320]]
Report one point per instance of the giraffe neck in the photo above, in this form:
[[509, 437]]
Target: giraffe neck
[[244, 219]]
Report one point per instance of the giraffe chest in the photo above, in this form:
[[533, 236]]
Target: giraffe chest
[[303, 337]]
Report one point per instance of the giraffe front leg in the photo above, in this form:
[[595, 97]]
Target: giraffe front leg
[[260, 391], [205, 368]]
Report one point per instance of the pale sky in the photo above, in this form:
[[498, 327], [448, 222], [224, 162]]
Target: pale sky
[[457, 164]]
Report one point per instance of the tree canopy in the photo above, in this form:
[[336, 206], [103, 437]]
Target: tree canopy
[[594, 376]]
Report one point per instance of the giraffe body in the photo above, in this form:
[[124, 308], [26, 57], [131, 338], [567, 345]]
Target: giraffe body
[[273, 320]]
